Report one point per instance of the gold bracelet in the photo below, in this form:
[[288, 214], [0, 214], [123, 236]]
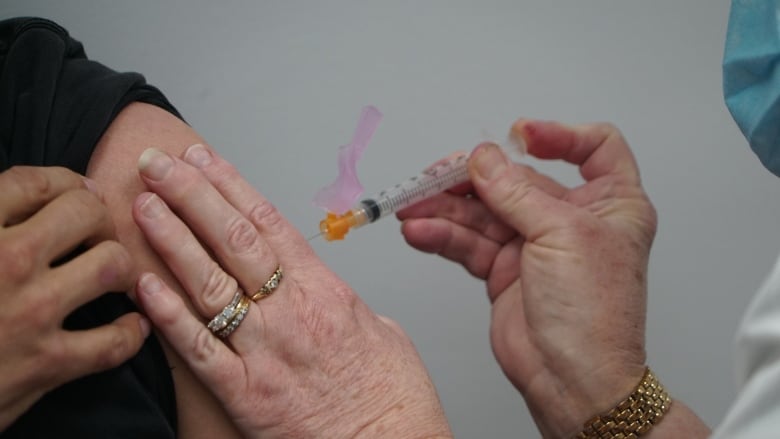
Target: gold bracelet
[[634, 416]]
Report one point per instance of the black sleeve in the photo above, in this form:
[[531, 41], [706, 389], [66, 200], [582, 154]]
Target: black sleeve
[[54, 106], [55, 103]]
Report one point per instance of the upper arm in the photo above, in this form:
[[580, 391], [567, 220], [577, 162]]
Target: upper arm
[[113, 166]]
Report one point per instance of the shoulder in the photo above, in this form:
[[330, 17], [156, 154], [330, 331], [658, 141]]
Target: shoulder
[[57, 103]]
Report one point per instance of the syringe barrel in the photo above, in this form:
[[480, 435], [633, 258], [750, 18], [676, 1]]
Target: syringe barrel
[[434, 180]]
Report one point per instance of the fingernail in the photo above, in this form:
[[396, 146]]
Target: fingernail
[[149, 284], [519, 143], [91, 185], [197, 155], [154, 164], [489, 161], [446, 160], [146, 327], [152, 207]]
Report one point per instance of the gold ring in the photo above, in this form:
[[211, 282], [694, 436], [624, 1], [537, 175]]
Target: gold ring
[[221, 320], [270, 285], [241, 309]]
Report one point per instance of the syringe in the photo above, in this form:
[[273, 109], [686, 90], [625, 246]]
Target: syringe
[[438, 178]]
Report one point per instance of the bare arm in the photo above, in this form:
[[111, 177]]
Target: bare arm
[[114, 167]]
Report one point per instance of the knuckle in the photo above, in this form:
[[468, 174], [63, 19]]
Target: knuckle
[[203, 346], [116, 265], [608, 130], [217, 287], [265, 216], [346, 296], [241, 235], [652, 218], [85, 205], [32, 182], [19, 257], [325, 322], [118, 348], [166, 317]]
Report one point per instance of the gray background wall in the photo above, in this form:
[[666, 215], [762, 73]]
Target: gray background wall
[[277, 86]]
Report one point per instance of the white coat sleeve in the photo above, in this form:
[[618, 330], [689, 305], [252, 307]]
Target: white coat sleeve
[[755, 414]]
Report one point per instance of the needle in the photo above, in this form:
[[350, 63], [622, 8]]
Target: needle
[[314, 236]]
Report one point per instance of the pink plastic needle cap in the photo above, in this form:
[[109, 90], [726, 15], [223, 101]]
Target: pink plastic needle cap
[[339, 196]]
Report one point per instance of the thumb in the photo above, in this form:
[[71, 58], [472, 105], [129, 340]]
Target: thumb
[[509, 192]]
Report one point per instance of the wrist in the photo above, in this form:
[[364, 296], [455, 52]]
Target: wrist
[[560, 408], [635, 415]]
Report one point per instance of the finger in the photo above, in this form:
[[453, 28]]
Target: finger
[[207, 284], [445, 160], [511, 195], [473, 213], [234, 240], [291, 248], [106, 267], [466, 212], [102, 348], [598, 149], [544, 182], [212, 361], [452, 241], [73, 218], [462, 189], [26, 189]]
